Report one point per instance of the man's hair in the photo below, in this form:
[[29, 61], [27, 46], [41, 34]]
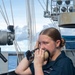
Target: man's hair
[[54, 34]]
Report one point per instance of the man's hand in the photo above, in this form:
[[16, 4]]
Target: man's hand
[[39, 58]]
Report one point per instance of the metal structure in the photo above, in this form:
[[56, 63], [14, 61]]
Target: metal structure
[[30, 22], [59, 8]]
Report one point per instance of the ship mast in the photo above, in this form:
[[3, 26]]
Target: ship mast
[[30, 22], [74, 5]]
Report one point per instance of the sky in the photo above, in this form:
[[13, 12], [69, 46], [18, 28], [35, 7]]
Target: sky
[[20, 21]]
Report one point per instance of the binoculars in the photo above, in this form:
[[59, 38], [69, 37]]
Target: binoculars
[[30, 54]]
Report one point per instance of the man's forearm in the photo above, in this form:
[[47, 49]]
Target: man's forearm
[[38, 71], [23, 65]]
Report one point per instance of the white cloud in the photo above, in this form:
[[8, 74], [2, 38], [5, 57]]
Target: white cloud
[[21, 33], [22, 44]]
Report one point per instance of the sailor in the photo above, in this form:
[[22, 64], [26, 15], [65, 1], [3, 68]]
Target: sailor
[[57, 63]]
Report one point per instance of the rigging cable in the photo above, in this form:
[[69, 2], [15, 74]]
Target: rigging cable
[[5, 12], [13, 23], [29, 23], [33, 22], [41, 4], [11, 12], [17, 45], [44, 2], [2, 13], [17, 52], [18, 49]]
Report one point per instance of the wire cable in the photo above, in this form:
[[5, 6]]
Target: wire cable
[[12, 12], [17, 47], [5, 12], [13, 24], [41, 4], [17, 50], [2, 13], [44, 2]]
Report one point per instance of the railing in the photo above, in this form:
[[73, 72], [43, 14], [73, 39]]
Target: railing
[[12, 61], [69, 46]]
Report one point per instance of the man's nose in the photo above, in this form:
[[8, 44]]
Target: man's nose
[[42, 46]]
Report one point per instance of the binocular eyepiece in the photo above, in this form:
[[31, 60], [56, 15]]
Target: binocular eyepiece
[[30, 54]]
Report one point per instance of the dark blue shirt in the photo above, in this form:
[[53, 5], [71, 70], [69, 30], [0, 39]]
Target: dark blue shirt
[[61, 66]]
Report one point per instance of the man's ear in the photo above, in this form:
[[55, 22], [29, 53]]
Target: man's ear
[[57, 43]]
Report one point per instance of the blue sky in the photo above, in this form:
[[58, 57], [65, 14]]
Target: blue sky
[[20, 21], [19, 13]]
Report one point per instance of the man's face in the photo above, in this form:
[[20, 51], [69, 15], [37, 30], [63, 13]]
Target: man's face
[[46, 43]]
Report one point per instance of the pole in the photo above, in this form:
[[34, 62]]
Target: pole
[[74, 5]]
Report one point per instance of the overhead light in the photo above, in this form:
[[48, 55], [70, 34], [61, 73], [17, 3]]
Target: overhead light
[[55, 9], [59, 2], [67, 2], [71, 9], [63, 9], [46, 14]]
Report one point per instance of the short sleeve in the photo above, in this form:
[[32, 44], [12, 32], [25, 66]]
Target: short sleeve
[[32, 68]]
